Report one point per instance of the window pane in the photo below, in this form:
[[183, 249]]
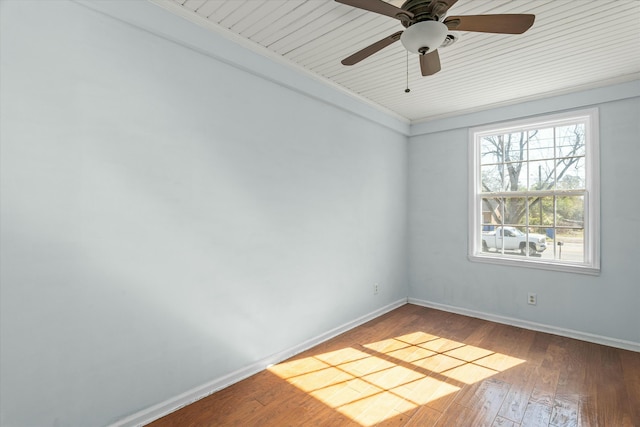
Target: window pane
[[515, 176], [491, 213], [515, 145], [541, 144], [515, 211], [570, 140], [541, 211], [570, 244], [570, 211], [492, 178], [491, 150], [571, 173], [541, 175], [538, 242]]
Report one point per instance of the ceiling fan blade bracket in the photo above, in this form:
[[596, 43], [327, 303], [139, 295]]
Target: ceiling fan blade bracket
[[405, 18], [452, 24], [440, 7], [427, 10]]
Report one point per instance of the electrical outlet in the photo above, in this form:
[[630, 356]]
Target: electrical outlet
[[532, 299], [375, 289]]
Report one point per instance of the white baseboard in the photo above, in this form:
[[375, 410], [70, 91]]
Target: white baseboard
[[152, 413], [570, 333]]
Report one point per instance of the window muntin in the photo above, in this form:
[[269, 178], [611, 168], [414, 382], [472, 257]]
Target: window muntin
[[539, 179]]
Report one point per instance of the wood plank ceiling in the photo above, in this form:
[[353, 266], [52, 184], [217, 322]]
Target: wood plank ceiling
[[574, 44]]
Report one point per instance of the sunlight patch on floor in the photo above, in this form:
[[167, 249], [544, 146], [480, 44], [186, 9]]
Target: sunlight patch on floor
[[383, 379]]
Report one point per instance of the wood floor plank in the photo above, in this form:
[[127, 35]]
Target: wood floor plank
[[545, 389], [564, 413], [486, 401], [416, 366], [548, 374], [536, 415], [631, 374], [458, 415], [516, 401], [573, 374], [425, 416], [588, 407], [503, 422], [613, 403], [538, 348]]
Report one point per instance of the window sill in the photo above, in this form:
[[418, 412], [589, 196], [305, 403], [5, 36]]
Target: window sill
[[535, 264]]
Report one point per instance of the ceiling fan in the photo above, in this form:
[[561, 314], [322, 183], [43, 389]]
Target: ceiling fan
[[426, 28]]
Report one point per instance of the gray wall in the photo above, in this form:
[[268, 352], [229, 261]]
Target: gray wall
[[168, 218], [440, 272]]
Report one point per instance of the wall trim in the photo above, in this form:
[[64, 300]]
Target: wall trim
[[161, 409], [539, 96], [526, 324], [613, 90]]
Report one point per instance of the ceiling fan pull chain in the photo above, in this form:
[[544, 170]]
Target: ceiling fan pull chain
[[407, 90]]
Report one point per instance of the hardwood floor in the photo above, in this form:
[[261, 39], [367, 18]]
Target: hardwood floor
[[422, 367]]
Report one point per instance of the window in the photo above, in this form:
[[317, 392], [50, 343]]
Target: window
[[534, 193]]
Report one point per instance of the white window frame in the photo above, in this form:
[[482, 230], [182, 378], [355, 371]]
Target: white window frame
[[591, 264]]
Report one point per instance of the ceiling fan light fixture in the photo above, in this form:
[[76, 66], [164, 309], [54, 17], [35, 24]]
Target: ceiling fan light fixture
[[424, 36]]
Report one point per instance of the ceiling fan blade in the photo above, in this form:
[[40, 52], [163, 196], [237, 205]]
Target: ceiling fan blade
[[371, 49], [501, 24], [430, 63], [378, 6]]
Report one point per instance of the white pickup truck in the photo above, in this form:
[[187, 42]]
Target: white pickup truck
[[513, 240]]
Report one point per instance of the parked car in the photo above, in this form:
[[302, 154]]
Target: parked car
[[513, 240]]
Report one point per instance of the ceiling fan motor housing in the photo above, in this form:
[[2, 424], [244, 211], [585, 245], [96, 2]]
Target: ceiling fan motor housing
[[424, 10], [425, 36]]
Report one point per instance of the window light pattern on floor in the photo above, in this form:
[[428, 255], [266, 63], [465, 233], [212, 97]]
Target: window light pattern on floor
[[384, 379]]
